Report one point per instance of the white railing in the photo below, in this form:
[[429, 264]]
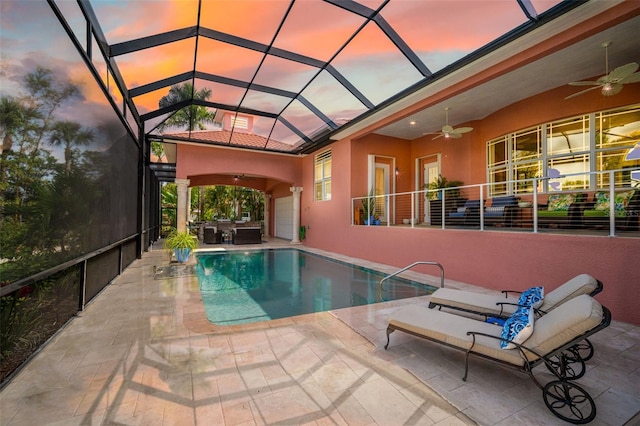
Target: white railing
[[440, 208]]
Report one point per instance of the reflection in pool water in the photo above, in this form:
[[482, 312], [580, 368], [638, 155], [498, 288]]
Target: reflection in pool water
[[241, 287]]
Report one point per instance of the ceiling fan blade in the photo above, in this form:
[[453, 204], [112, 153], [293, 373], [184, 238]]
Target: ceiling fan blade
[[582, 91], [584, 83], [461, 130], [455, 135], [439, 136], [623, 71], [604, 80], [633, 78], [614, 89]]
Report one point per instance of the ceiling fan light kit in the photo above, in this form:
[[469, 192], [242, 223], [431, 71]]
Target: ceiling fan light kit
[[612, 82]]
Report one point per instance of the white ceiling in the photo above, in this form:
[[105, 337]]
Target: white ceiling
[[584, 60]]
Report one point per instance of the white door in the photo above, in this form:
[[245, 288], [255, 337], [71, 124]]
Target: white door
[[283, 220], [430, 174]]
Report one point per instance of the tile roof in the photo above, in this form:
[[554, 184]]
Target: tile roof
[[238, 139]]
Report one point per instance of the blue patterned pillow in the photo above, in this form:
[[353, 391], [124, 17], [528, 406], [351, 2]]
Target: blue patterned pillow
[[532, 297], [517, 328]]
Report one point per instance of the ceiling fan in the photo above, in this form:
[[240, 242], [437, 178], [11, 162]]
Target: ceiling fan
[[612, 82], [448, 131]]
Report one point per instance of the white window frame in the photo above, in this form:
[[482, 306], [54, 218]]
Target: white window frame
[[323, 180], [591, 152]]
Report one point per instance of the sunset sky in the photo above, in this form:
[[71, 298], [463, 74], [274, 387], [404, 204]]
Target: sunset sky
[[439, 32]]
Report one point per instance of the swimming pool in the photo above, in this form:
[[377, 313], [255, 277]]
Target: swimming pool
[[239, 287]]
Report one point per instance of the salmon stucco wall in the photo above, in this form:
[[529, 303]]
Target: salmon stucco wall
[[203, 160], [496, 259], [500, 259], [461, 159], [319, 217], [551, 106], [492, 259]]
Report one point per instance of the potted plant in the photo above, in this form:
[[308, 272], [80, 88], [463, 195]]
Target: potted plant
[[180, 244], [369, 208], [441, 184]]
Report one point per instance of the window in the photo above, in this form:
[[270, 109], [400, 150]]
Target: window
[[322, 176], [497, 155], [527, 146], [617, 134], [567, 152]]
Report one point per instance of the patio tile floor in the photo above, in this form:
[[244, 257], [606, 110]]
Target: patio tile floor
[[143, 353]]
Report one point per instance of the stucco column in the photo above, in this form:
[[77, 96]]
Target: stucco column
[[267, 213], [189, 204], [296, 213], [183, 200]]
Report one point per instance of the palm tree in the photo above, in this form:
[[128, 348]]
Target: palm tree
[[169, 206], [158, 149], [191, 117], [69, 133]]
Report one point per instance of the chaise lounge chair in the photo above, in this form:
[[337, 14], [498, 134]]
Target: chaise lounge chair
[[553, 338], [501, 305]]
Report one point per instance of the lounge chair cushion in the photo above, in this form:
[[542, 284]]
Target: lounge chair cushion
[[553, 213], [495, 304], [532, 297], [474, 302], [452, 330], [553, 330], [517, 328], [580, 284], [469, 206], [590, 214], [565, 323]]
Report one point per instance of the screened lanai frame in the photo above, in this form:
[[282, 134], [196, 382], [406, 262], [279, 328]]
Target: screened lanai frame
[[79, 39], [302, 69]]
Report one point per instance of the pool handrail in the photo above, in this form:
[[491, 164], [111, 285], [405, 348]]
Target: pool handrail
[[425, 262]]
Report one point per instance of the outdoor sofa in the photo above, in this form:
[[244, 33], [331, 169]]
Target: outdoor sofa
[[212, 235], [246, 235], [626, 209], [562, 210], [451, 204], [502, 211], [468, 214]]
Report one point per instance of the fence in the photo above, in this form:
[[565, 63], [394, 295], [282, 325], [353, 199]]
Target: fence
[[579, 202], [34, 308]]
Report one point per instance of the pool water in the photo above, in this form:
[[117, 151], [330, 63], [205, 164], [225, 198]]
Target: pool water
[[239, 287]]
